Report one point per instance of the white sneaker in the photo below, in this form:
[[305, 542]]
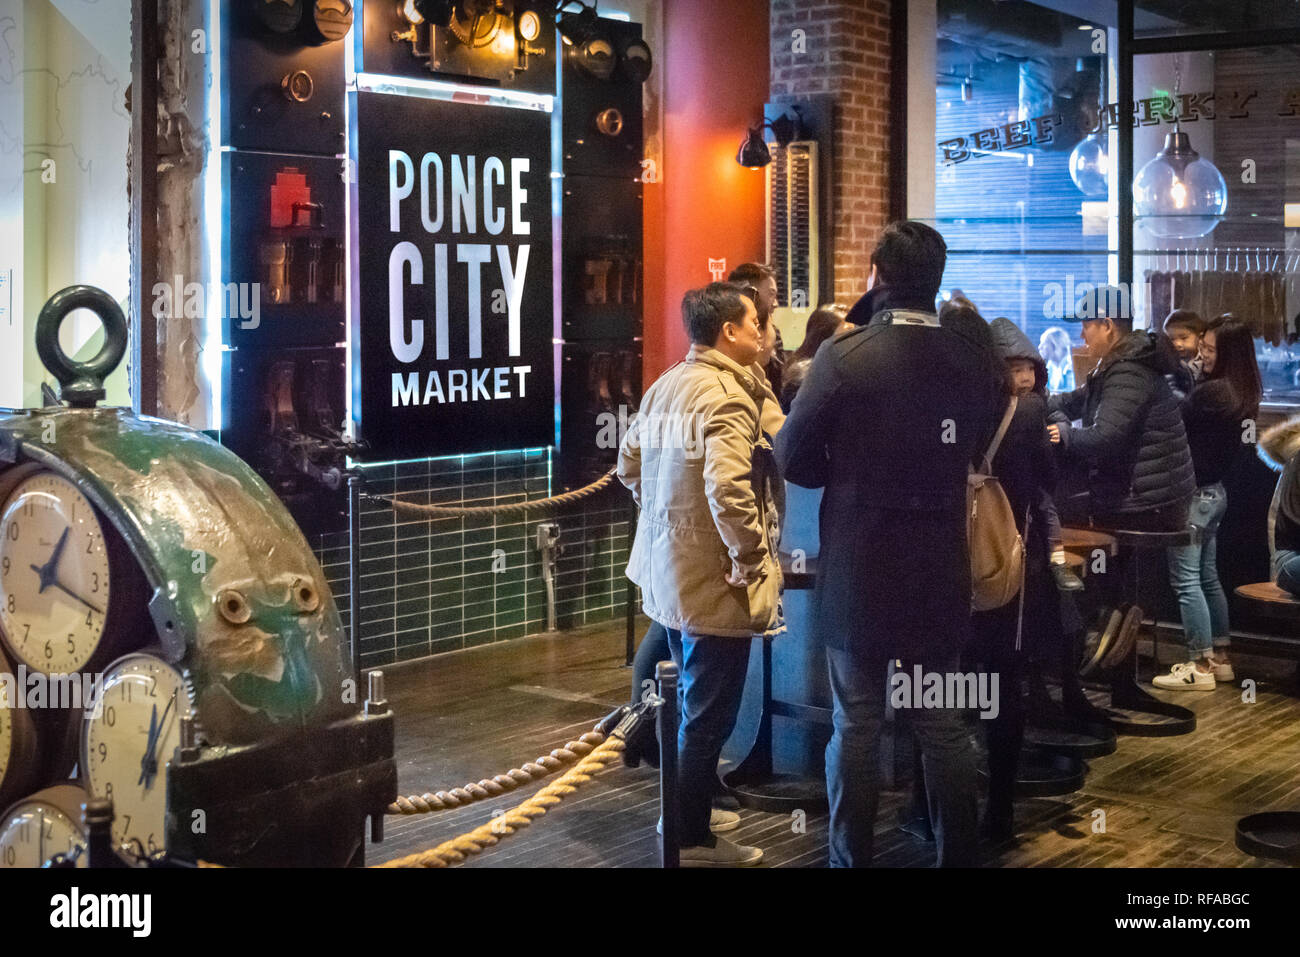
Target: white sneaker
[[719, 821], [1185, 676], [724, 854], [1223, 671]]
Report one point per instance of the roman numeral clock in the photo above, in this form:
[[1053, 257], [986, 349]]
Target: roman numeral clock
[[167, 642]]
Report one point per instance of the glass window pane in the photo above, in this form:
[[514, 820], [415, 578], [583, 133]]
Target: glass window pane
[[1165, 18], [1214, 182], [1022, 190]]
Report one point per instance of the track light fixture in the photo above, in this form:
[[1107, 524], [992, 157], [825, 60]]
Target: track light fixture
[[754, 153]]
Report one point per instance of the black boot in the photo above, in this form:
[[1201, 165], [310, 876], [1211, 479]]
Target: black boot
[[1066, 579]]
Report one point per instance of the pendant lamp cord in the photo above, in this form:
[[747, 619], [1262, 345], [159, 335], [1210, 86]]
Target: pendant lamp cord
[[1178, 87]]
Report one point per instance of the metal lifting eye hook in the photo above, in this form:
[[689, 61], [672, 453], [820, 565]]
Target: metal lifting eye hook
[[81, 384]]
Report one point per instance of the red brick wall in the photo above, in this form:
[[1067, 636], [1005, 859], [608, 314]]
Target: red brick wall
[[846, 54]]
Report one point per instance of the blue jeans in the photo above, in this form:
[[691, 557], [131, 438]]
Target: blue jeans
[[1286, 571], [859, 685], [1194, 575], [712, 670]]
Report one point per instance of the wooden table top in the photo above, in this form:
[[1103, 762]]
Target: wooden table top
[[1082, 540], [1271, 600]]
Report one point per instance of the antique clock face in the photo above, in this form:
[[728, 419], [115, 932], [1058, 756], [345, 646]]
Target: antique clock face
[[54, 575], [35, 745], [126, 746], [45, 824]]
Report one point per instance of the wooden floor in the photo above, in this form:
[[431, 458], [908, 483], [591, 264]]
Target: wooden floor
[[1168, 801]]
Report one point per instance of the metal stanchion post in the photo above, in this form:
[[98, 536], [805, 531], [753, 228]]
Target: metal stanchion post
[[630, 595], [666, 673]]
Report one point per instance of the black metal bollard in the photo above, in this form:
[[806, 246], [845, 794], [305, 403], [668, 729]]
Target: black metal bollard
[[666, 674]]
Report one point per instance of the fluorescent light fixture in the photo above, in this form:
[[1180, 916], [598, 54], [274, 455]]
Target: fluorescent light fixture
[[215, 209], [458, 457], [464, 93]]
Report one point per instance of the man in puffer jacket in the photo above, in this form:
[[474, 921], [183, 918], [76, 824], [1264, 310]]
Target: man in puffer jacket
[[1130, 439], [704, 554]]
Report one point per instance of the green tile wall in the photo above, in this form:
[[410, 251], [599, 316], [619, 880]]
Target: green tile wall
[[428, 585]]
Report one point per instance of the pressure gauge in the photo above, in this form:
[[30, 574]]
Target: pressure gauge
[[127, 743], [54, 575], [530, 25], [637, 61], [596, 58], [332, 18], [38, 827]]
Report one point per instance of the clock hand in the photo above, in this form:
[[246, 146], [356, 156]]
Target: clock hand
[[64, 588], [162, 725], [148, 747], [49, 571], [58, 550]]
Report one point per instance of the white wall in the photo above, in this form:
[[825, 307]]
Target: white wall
[[11, 204], [64, 68]]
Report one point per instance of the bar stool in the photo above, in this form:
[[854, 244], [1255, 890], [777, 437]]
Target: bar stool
[[1056, 728], [1134, 710], [1273, 834]]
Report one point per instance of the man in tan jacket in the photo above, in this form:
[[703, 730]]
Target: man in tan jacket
[[704, 555]]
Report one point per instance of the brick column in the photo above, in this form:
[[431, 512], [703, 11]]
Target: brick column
[[845, 52]]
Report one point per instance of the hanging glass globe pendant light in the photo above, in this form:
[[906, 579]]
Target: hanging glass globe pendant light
[[1179, 194], [1089, 162], [1090, 166]]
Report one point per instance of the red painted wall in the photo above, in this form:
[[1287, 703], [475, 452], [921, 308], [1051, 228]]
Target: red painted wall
[[705, 205]]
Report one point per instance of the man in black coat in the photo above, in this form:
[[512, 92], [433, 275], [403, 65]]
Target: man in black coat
[[888, 420], [1130, 442]]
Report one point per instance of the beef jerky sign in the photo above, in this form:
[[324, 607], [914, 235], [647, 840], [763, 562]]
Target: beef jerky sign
[[454, 308]]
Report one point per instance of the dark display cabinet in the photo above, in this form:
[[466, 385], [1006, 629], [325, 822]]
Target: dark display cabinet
[[602, 249], [602, 124], [284, 255], [282, 75], [285, 417], [602, 304], [600, 389], [286, 235]]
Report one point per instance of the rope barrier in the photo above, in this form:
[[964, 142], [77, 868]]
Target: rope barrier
[[458, 848], [531, 771], [516, 508]]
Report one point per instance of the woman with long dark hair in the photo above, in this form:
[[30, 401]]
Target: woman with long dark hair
[[1217, 414], [825, 323]]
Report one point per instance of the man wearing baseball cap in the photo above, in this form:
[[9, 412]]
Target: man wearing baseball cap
[[1129, 440]]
